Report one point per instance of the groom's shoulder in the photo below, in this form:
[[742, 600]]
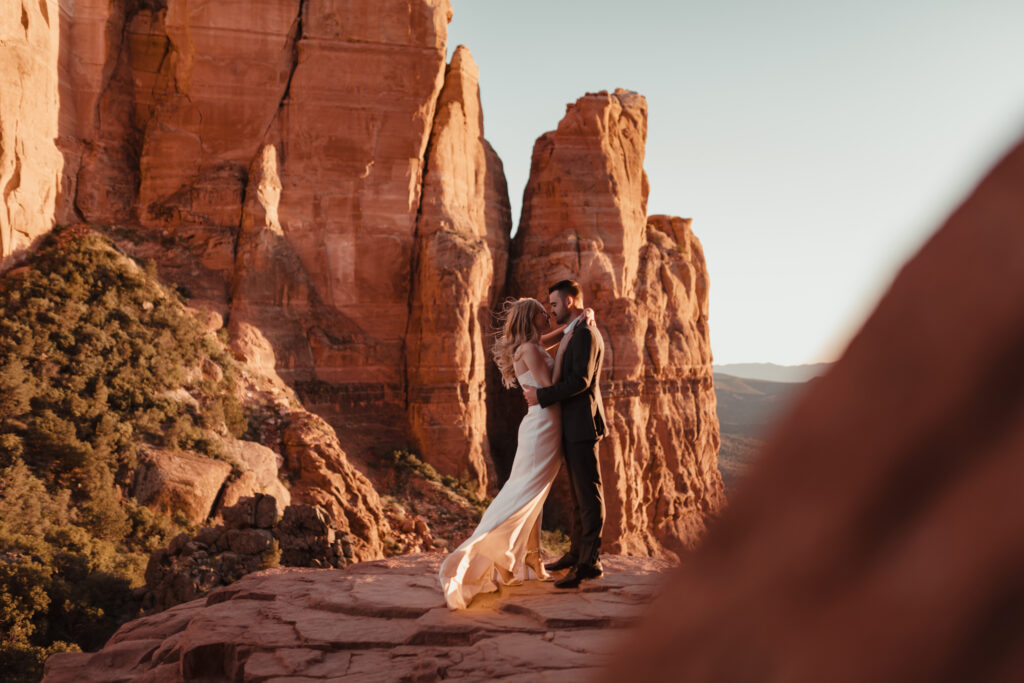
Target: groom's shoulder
[[590, 332]]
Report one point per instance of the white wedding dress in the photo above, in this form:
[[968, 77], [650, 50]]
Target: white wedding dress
[[507, 540]]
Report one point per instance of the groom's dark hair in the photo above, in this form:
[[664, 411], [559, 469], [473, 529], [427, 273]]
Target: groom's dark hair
[[568, 288]]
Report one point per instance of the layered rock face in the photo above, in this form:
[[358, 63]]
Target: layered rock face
[[460, 260], [585, 218], [170, 106], [180, 116], [354, 131], [880, 536], [30, 163]]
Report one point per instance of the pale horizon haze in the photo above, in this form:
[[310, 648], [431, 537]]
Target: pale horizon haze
[[815, 146]]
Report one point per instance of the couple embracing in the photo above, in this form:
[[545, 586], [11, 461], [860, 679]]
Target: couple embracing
[[565, 420]]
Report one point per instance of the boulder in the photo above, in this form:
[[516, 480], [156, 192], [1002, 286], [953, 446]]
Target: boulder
[[179, 482], [259, 474], [249, 540], [322, 475]]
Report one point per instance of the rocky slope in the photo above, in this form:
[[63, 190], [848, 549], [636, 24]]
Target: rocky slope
[[375, 621], [880, 537], [125, 419]]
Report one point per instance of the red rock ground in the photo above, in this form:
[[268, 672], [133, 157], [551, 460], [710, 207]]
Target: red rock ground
[[375, 621]]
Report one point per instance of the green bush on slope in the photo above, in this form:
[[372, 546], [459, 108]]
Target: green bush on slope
[[96, 356]]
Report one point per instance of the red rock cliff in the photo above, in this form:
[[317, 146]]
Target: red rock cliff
[[461, 254], [174, 114], [30, 163], [310, 170], [585, 218]]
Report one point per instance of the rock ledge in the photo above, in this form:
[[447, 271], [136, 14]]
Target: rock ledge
[[375, 621]]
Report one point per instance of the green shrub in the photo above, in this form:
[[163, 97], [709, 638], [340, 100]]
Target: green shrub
[[95, 354], [272, 556], [406, 464]]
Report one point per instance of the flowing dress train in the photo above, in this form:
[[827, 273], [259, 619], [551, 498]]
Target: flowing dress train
[[507, 540]]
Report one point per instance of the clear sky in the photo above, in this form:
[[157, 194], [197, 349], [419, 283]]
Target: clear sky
[[815, 144]]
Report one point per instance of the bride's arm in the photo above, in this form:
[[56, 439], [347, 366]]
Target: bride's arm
[[535, 360], [551, 338]]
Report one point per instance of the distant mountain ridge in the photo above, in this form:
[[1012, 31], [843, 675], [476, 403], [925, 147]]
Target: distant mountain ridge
[[771, 372], [747, 409]]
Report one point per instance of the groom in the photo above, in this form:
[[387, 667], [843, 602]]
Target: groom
[[581, 351]]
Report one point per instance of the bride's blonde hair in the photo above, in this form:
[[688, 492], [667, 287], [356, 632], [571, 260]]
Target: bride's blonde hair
[[515, 327]]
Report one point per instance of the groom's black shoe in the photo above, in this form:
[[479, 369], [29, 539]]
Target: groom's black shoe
[[564, 562], [580, 573]]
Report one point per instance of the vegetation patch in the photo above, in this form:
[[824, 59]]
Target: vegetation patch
[[449, 505], [96, 357], [412, 489], [405, 465]]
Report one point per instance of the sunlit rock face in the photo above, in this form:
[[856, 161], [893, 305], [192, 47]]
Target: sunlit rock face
[[880, 536], [253, 150], [211, 122], [351, 137], [585, 218], [461, 254], [166, 104], [30, 163], [207, 103]]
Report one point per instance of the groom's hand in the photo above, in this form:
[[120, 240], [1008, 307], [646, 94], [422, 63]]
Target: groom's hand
[[531, 394]]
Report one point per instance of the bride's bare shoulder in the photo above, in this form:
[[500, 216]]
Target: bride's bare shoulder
[[531, 350], [524, 352], [534, 355]]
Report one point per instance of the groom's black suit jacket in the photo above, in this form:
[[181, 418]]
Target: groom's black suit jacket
[[577, 389]]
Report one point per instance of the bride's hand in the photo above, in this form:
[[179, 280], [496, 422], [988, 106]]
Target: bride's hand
[[588, 316]]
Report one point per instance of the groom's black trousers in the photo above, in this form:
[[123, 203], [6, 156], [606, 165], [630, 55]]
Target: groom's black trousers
[[587, 500]]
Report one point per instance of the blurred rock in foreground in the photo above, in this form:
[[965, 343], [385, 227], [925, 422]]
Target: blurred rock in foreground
[[880, 536]]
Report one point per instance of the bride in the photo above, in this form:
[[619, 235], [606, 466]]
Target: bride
[[507, 541]]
